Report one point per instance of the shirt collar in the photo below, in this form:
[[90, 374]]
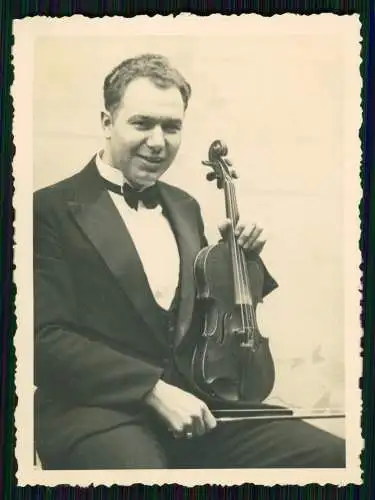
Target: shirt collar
[[110, 173]]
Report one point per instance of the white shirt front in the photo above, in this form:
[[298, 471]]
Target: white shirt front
[[153, 238]]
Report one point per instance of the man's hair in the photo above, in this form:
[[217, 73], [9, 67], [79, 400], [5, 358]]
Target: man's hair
[[153, 66]]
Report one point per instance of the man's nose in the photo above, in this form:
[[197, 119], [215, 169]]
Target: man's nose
[[156, 138]]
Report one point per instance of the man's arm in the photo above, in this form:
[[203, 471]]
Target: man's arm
[[65, 359]]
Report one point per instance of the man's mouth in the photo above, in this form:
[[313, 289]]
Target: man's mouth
[[156, 160]]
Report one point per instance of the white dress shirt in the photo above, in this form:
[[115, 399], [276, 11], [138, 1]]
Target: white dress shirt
[[152, 237]]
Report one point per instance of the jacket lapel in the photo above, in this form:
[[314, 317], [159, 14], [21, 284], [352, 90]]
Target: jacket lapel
[[100, 221], [184, 226]]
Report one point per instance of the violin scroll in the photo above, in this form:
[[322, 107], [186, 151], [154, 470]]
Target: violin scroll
[[217, 150], [222, 167]]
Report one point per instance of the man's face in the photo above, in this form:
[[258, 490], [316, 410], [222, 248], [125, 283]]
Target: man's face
[[144, 134]]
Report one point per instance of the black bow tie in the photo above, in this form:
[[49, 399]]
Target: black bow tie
[[150, 197]]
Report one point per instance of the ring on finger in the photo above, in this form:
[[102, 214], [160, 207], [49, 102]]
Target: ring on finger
[[177, 435]]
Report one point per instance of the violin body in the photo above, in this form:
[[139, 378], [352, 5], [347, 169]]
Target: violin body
[[224, 364]]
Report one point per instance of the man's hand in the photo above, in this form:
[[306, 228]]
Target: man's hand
[[185, 415], [248, 235]]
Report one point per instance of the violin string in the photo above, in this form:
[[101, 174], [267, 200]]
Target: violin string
[[243, 362], [235, 259], [242, 259], [249, 312], [242, 269], [249, 297], [237, 255], [236, 246]]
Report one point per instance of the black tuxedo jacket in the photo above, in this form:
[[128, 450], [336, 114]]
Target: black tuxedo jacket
[[99, 344]]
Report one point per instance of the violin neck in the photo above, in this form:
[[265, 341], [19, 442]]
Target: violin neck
[[231, 206], [240, 280]]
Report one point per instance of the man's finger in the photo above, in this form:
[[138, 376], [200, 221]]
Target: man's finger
[[177, 431], [255, 235], [199, 427], [258, 246], [248, 238], [239, 229], [224, 227], [209, 419], [247, 233]]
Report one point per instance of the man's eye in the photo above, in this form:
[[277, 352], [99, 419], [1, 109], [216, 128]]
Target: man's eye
[[171, 129], [142, 125]]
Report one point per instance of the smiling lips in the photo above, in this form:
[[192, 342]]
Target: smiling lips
[[154, 161]]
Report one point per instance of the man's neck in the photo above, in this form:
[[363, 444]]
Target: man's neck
[[106, 160]]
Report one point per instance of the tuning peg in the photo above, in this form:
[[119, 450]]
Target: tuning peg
[[211, 176], [234, 174]]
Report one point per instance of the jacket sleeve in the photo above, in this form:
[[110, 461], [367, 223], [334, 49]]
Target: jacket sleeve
[[202, 235], [66, 360], [269, 284]]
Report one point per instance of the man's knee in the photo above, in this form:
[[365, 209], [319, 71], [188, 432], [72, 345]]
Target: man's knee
[[320, 448], [126, 447]]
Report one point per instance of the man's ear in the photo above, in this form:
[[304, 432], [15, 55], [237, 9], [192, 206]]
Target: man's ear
[[106, 121]]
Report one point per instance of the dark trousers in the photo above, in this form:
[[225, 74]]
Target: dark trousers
[[287, 443]]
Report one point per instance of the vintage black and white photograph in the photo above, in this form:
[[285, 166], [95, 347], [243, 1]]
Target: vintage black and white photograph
[[186, 250]]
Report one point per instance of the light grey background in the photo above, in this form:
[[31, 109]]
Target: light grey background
[[279, 103]]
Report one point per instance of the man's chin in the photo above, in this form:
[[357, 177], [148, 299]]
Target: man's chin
[[147, 178], [144, 182]]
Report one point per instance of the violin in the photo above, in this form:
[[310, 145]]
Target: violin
[[231, 360]]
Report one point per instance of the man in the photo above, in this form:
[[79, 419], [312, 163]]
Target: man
[[115, 313]]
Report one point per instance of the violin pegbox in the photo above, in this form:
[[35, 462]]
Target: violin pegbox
[[231, 171], [221, 166]]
